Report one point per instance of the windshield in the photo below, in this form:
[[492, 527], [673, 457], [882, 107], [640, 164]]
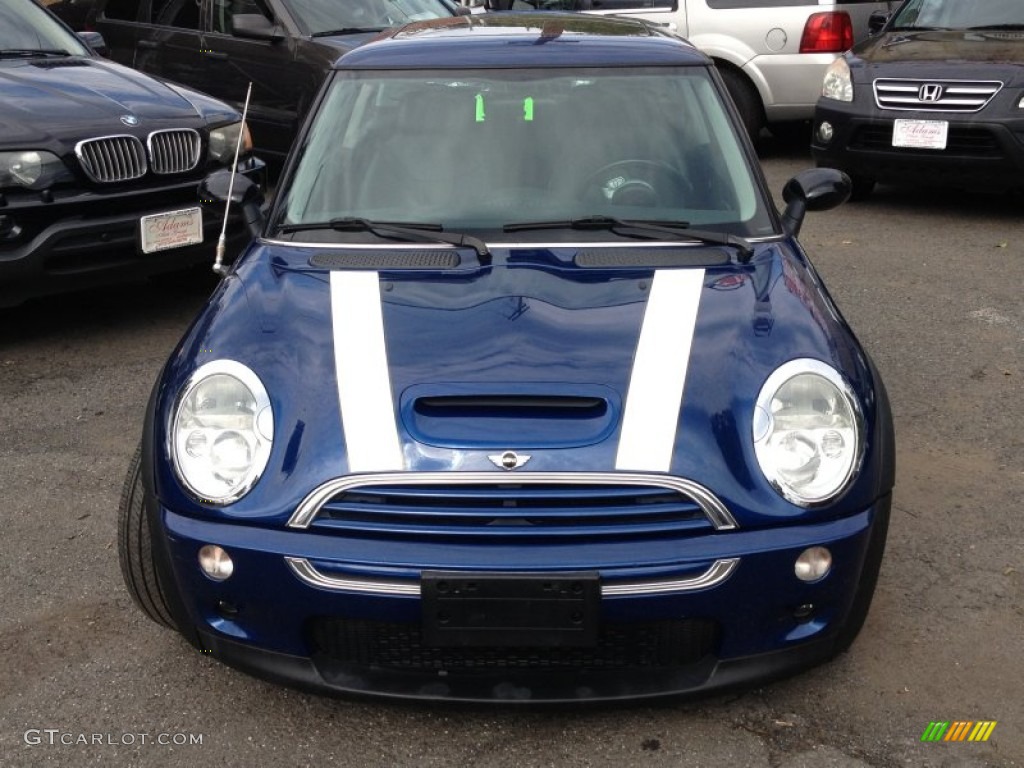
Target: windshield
[[481, 150], [959, 14], [26, 28], [319, 18]]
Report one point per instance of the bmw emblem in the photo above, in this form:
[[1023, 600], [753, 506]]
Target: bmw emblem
[[130, 120]]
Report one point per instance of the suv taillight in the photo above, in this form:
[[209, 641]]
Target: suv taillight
[[827, 32]]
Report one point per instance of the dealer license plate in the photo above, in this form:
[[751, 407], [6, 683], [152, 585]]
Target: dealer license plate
[[920, 134], [174, 229]]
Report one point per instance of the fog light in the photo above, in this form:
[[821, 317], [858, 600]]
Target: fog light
[[813, 564], [825, 132], [215, 562], [9, 227]]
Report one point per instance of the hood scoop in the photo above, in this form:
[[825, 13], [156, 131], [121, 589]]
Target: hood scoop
[[508, 419]]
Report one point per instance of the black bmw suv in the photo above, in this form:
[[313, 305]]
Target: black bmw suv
[[99, 164], [936, 96]]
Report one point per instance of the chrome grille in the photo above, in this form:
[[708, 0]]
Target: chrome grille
[[112, 158], [174, 151], [550, 506], [935, 95]]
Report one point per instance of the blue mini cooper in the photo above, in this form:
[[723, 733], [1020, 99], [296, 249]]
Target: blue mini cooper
[[524, 390]]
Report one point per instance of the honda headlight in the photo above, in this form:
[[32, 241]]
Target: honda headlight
[[221, 432], [224, 139], [808, 432], [31, 169], [838, 83]]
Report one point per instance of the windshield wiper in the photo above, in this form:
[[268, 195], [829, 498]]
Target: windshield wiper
[[999, 26], [32, 52], [415, 231], [642, 228], [346, 31]]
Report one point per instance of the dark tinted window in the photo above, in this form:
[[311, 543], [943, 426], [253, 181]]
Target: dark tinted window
[[176, 13], [125, 10]]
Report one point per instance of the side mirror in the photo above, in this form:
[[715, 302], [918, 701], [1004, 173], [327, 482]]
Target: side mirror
[[95, 41], [876, 21], [255, 26], [245, 195], [816, 189]]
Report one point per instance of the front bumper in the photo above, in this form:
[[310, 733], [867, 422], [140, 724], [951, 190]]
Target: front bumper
[[979, 152], [755, 622], [80, 241]]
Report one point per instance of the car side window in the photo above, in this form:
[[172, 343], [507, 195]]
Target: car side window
[[126, 10], [183, 14]]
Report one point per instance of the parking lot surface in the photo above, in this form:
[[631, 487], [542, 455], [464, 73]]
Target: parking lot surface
[[931, 282]]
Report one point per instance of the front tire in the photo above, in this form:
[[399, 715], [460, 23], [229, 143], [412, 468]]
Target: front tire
[[135, 549]]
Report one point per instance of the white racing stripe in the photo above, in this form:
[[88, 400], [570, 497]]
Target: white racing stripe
[[659, 371], [361, 364]]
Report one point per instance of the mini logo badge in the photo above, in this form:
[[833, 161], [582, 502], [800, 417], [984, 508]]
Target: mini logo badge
[[930, 92], [130, 120], [508, 460]]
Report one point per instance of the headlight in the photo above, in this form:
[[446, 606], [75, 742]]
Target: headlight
[[838, 84], [32, 169], [808, 432], [223, 140], [221, 432]]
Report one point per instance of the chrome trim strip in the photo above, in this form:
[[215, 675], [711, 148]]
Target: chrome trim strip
[[306, 572], [650, 419], [719, 571], [361, 366], [716, 511]]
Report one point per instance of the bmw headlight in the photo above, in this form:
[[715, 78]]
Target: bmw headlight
[[838, 83], [31, 169], [808, 432], [221, 432], [223, 140]]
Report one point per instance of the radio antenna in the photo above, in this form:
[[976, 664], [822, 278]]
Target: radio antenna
[[218, 264]]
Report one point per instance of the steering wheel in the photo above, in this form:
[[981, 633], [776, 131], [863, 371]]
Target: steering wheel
[[642, 183]]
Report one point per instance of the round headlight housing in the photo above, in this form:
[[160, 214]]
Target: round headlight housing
[[224, 139], [838, 83], [221, 432], [31, 169], [808, 432]]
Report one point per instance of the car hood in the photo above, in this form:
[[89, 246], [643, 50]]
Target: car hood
[[996, 47], [538, 357], [68, 98]]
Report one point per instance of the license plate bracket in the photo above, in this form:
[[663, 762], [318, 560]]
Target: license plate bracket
[[463, 609], [172, 229], [920, 134]]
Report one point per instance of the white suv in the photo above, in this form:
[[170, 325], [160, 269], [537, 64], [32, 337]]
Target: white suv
[[772, 53]]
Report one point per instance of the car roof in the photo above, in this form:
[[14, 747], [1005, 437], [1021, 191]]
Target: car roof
[[540, 39]]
